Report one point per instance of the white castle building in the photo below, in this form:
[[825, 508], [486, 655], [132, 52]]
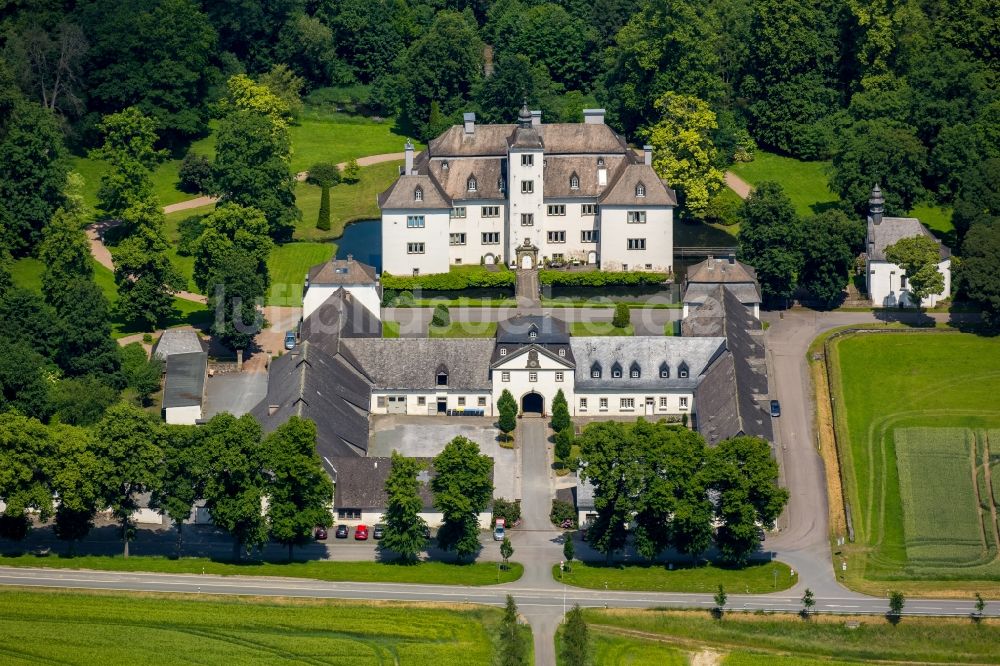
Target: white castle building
[[525, 194]]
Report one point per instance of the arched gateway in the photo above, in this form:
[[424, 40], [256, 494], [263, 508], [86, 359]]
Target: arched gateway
[[533, 404]]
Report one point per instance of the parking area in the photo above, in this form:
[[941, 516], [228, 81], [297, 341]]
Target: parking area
[[425, 437]]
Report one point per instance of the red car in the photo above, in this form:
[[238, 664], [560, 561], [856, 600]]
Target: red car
[[361, 533]]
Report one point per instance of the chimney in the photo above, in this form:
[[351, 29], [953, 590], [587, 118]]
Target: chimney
[[593, 116], [876, 205], [647, 155], [732, 258], [350, 257], [711, 262], [408, 157], [536, 118], [271, 409], [469, 120]]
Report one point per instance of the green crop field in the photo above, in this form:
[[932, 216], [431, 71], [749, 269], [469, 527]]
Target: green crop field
[[912, 413], [619, 651], [90, 628]]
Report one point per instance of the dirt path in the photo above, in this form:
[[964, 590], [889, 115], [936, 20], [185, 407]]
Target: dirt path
[[738, 185]]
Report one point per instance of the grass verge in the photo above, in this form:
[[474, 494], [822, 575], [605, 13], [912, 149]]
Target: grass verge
[[390, 329], [585, 328], [427, 573], [754, 579]]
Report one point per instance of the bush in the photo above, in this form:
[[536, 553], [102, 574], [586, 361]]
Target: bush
[[352, 172], [195, 174], [451, 281], [562, 511], [564, 444], [723, 209], [189, 229], [442, 317], [557, 278], [509, 510], [623, 317]]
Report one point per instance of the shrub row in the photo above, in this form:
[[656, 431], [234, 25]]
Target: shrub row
[[455, 280], [600, 278]]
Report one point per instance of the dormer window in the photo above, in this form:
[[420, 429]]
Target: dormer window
[[595, 371], [501, 184], [533, 334], [442, 375], [418, 194], [664, 371], [472, 185], [600, 162], [574, 182], [562, 353], [634, 371], [640, 190], [503, 351], [682, 371], [616, 371], [444, 165]]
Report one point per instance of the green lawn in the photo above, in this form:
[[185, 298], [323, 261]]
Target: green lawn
[[322, 137], [92, 628], [26, 273], [805, 183], [701, 234], [464, 329], [754, 579], [585, 328], [390, 329], [885, 383], [428, 573], [288, 265], [348, 202], [787, 640]]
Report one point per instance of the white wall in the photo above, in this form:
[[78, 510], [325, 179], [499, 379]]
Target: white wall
[[473, 225], [658, 231], [884, 285], [366, 294], [396, 236], [430, 400], [573, 222], [525, 203], [434, 519], [593, 398], [182, 415], [520, 382]]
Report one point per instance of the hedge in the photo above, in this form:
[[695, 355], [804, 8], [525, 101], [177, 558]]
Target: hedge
[[600, 278], [453, 281]]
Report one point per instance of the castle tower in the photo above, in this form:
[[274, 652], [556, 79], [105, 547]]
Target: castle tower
[[876, 205]]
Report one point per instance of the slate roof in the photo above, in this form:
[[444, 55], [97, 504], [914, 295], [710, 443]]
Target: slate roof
[[185, 382], [412, 363], [339, 316], [526, 137], [455, 179], [893, 229], [559, 169], [621, 192], [746, 292], [328, 389], [177, 341], [342, 271], [517, 329], [709, 319], [400, 194], [716, 270], [559, 138], [650, 352], [360, 482]]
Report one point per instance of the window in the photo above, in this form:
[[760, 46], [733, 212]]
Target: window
[[490, 211], [604, 404], [634, 371], [589, 236], [583, 404], [442, 378], [616, 371], [588, 209], [682, 371], [640, 190], [636, 217], [481, 401], [491, 238], [527, 219], [461, 401], [902, 282], [533, 334], [503, 351], [559, 376], [380, 401], [663, 403], [595, 371], [349, 514], [557, 236], [458, 211], [574, 182], [421, 401], [664, 371], [557, 209], [562, 353], [600, 162], [471, 184], [505, 376], [532, 376], [637, 243], [527, 160], [527, 186], [414, 248], [414, 221], [444, 164], [628, 403], [456, 239], [418, 194], [684, 403]]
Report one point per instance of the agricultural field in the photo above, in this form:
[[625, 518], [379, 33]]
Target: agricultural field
[[653, 637], [914, 460], [165, 629]]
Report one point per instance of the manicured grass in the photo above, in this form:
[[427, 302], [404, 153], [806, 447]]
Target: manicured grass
[[754, 579], [186, 313], [390, 329], [464, 329], [322, 137], [937, 219], [881, 384], [348, 202], [428, 573], [805, 183], [585, 328], [288, 265], [90, 628], [934, 640]]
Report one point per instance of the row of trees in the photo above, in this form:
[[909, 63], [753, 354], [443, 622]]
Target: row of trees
[[665, 481], [254, 487]]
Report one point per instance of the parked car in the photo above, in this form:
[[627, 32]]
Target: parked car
[[378, 532], [341, 532], [320, 533], [361, 533], [290, 340], [775, 409], [499, 533]]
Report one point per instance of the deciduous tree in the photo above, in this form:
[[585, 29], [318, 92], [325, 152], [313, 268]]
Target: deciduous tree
[[507, 411], [85, 344], [77, 481], [230, 228], [180, 479], [830, 243], [28, 459], [463, 487], [142, 373], [770, 240], [65, 252], [560, 412], [614, 466], [404, 528], [979, 272], [919, 257], [129, 150], [575, 649]]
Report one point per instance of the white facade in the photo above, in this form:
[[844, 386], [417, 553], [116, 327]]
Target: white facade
[[415, 242], [188, 415], [532, 370], [434, 519], [429, 403], [653, 404], [637, 245], [887, 285], [317, 294]]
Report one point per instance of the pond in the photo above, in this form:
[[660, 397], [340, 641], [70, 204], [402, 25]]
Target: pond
[[362, 240]]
